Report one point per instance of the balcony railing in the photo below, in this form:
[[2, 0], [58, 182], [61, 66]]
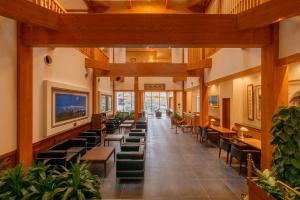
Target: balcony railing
[[52, 5], [232, 6]]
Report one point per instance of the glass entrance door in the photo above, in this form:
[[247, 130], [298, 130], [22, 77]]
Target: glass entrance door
[[155, 101]]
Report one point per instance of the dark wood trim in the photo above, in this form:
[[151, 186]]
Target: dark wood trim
[[46, 143], [254, 132], [9, 159]]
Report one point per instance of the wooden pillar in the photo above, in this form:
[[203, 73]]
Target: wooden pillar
[[274, 93], [95, 93], [113, 98], [141, 101], [183, 98], [24, 101], [175, 101], [203, 96], [136, 98], [203, 102]]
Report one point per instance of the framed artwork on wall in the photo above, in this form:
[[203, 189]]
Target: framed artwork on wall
[[213, 100], [68, 106], [250, 104], [258, 102]]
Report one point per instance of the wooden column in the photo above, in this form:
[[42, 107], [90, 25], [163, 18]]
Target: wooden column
[[24, 101], [203, 96], [175, 101], [136, 98], [274, 93], [113, 98], [95, 93], [203, 102], [183, 98], [141, 101]]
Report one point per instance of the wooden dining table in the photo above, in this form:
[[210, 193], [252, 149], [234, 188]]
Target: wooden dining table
[[223, 131], [256, 143]]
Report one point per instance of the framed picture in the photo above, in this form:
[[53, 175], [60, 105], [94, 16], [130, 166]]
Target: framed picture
[[155, 87], [213, 101], [258, 102], [250, 104], [68, 106]]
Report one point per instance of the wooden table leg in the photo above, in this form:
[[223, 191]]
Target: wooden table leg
[[105, 169]]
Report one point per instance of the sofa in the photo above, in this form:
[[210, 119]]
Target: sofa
[[64, 152], [130, 163]]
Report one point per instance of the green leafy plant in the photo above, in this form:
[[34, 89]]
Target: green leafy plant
[[78, 183], [267, 182], [286, 141], [14, 183], [44, 184]]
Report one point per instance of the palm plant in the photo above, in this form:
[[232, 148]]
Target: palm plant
[[14, 183], [78, 183]]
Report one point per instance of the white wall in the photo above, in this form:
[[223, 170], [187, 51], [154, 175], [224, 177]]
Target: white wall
[[8, 85], [289, 34], [128, 84], [230, 61], [68, 68]]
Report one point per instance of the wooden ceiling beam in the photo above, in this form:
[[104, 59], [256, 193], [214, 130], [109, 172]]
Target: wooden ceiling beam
[[27, 12], [144, 70], [207, 63], [147, 30], [268, 13], [95, 64], [179, 78]]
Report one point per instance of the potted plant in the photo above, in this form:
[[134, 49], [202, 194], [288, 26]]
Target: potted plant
[[78, 183], [286, 159]]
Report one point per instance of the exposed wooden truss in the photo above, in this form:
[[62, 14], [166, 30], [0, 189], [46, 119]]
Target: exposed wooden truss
[[137, 30], [27, 12]]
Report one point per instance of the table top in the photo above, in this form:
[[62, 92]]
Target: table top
[[99, 154], [126, 125], [221, 129], [114, 137], [128, 122], [251, 142]]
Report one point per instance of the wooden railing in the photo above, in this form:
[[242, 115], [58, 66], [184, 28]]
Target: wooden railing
[[232, 6], [229, 7], [52, 5]]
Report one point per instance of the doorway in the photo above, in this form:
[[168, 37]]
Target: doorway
[[226, 113]]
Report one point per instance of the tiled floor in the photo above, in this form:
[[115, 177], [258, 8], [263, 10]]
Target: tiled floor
[[177, 167]]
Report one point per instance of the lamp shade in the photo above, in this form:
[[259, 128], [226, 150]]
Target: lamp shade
[[244, 129]]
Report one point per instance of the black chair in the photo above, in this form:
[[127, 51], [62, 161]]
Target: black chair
[[211, 136], [240, 151], [110, 127], [130, 162], [225, 144], [199, 133], [93, 139], [141, 124]]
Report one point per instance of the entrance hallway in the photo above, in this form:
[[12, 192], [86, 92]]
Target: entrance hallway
[[177, 167]]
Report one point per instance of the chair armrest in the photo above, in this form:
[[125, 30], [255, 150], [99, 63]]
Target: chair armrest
[[250, 151], [130, 155]]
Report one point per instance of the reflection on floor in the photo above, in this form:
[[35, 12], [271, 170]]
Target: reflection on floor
[[176, 168]]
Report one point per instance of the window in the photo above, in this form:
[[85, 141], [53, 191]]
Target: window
[[155, 101], [125, 101], [105, 103]]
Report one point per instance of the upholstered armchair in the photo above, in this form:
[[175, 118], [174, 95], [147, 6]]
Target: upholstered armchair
[[211, 136], [130, 162], [93, 139]]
